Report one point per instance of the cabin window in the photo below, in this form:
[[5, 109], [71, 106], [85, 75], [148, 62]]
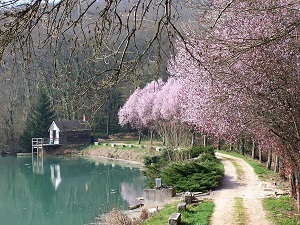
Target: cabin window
[[75, 135]]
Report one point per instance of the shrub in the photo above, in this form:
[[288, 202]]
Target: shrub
[[116, 217], [176, 169], [148, 160], [193, 176], [197, 151]]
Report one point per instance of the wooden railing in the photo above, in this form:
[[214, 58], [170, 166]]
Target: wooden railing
[[44, 141], [40, 141]]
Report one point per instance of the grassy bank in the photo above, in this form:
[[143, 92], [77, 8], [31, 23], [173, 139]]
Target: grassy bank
[[118, 151], [282, 210], [197, 215]]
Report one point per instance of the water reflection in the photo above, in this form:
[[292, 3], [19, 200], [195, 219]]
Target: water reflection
[[82, 190], [38, 164], [55, 175], [129, 190]]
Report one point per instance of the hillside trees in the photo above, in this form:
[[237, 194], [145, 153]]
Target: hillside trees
[[84, 49], [116, 35], [38, 121], [16, 89]]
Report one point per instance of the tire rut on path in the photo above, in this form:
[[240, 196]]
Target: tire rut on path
[[249, 187]]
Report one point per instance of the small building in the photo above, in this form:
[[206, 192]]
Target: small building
[[70, 132]]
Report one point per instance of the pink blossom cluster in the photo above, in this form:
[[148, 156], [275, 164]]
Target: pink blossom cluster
[[157, 101]]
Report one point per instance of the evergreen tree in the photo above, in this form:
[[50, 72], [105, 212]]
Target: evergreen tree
[[38, 121]]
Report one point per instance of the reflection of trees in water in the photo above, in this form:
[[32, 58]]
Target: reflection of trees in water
[[130, 191]]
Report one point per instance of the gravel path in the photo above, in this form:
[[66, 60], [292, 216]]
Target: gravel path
[[248, 187]]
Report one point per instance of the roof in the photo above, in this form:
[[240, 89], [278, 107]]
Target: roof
[[72, 125]]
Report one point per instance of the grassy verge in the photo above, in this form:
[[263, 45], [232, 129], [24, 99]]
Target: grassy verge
[[116, 147], [282, 210], [198, 215], [238, 169], [239, 211]]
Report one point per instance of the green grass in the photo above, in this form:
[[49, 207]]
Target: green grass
[[282, 210], [239, 211], [197, 215]]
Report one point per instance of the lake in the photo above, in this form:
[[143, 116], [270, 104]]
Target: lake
[[64, 190]]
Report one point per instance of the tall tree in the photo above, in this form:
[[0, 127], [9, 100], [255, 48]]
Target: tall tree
[[38, 121]]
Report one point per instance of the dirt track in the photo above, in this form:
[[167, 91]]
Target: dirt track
[[248, 187]]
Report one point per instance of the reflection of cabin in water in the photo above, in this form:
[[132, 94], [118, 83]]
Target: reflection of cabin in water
[[70, 132]]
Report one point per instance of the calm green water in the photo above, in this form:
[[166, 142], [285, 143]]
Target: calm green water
[[58, 190]]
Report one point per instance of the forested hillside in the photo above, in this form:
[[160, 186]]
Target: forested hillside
[[88, 56]]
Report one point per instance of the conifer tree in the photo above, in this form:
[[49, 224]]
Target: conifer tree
[[38, 121]]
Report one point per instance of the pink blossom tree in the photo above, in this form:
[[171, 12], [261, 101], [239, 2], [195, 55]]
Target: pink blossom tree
[[146, 103], [167, 112], [128, 114], [242, 75]]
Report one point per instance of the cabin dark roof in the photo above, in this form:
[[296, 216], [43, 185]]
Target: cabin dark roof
[[73, 125]]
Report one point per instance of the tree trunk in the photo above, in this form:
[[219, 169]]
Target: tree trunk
[[253, 150], [243, 146], [231, 147], [238, 146], [163, 140], [292, 185], [193, 139], [140, 137], [276, 165], [259, 154], [178, 134], [151, 137], [219, 144], [107, 118], [204, 140], [297, 179], [269, 162]]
